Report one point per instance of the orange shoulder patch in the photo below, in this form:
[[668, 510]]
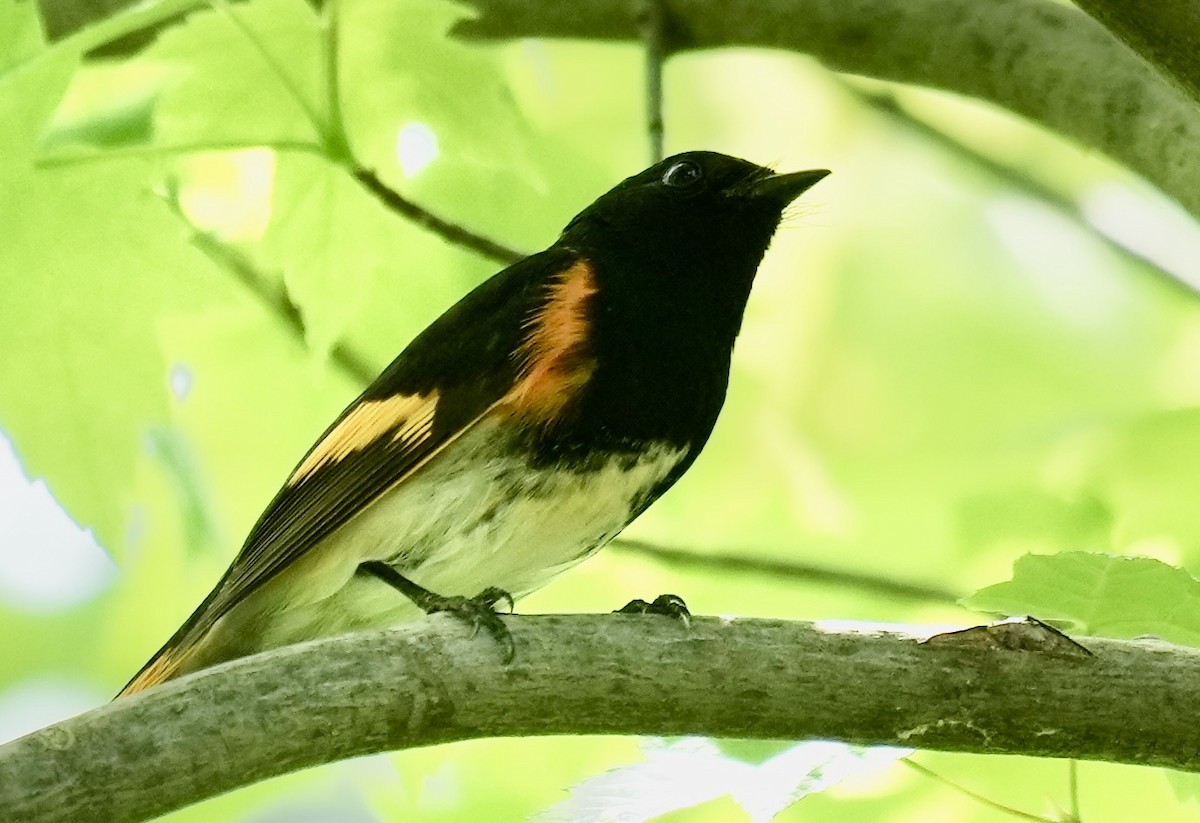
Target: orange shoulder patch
[[408, 416], [555, 362]]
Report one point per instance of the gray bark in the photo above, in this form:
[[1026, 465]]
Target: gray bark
[[1045, 61], [429, 683], [1165, 32]]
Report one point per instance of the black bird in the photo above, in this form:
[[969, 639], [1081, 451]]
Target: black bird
[[519, 432]]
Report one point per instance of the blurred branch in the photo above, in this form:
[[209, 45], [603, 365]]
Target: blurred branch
[[887, 105], [450, 232], [273, 297], [1166, 33], [789, 571], [652, 22], [1073, 791], [430, 682], [109, 26], [976, 796], [335, 141], [1041, 59]]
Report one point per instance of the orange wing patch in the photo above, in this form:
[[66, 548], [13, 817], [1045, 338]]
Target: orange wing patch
[[409, 415], [555, 362]]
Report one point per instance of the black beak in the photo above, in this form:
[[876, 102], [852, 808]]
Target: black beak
[[781, 189]]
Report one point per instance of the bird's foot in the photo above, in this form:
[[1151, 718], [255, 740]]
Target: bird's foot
[[479, 612], [668, 605]]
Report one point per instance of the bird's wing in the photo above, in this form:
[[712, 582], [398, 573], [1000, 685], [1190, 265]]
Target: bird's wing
[[453, 375]]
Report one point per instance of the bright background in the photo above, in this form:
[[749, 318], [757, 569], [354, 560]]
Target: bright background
[[941, 371]]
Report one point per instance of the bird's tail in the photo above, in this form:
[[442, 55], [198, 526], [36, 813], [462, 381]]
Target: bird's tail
[[182, 654], [164, 666]]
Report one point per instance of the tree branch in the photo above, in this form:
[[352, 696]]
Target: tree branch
[[273, 298], [1031, 186], [1166, 33], [452, 233], [430, 683], [652, 25], [1040, 59], [730, 560]]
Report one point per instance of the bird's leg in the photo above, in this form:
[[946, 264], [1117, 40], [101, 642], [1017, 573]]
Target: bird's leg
[[479, 611], [668, 605]]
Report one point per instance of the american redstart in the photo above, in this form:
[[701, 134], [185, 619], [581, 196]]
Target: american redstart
[[519, 432]]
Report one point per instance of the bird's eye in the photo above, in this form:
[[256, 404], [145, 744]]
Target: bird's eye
[[681, 174]]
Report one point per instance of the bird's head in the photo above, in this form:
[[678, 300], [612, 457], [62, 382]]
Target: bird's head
[[686, 235]]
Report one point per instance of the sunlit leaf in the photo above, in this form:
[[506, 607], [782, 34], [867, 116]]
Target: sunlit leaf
[[247, 73], [89, 258], [403, 67], [334, 243], [1185, 785], [20, 33], [1100, 594]]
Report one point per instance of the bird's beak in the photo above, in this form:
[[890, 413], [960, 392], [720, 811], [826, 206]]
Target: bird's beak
[[781, 189]]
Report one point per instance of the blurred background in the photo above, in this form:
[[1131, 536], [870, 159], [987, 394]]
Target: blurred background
[[972, 342]]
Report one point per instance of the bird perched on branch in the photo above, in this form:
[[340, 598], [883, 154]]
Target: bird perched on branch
[[519, 432]]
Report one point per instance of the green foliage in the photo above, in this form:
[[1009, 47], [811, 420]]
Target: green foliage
[[76, 291], [241, 74], [1101, 595], [937, 375]]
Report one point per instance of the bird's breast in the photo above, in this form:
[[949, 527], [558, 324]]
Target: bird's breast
[[487, 512], [494, 514]]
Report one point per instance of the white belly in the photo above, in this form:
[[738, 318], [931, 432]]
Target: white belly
[[474, 518]]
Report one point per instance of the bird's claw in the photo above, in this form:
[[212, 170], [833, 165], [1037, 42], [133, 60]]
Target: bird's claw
[[480, 613], [667, 605]]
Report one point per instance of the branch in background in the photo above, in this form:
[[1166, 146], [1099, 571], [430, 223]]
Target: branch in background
[[430, 682], [887, 105], [274, 298], [787, 570], [652, 23], [450, 232], [1041, 59], [976, 796], [1166, 33]]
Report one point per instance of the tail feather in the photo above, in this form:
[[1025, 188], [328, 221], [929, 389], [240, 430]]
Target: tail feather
[[178, 655], [164, 666]]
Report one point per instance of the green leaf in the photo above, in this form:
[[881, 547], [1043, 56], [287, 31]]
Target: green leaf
[[1185, 785], [350, 265], [246, 74], [182, 468], [402, 66], [88, 261], [107, 106], [1100, 594], [29, 93], [328, 236], [20, 33]]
